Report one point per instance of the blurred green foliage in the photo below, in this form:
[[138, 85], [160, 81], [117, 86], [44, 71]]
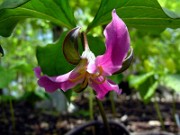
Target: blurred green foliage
[[156, 60], [19, 60]]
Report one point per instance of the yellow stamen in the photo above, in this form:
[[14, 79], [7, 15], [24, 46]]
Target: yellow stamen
[[94, 77], [99, 82], [77, 78], [98, 74], [89, 77]]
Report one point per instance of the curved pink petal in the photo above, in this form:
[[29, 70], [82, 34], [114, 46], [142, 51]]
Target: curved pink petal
[[48, 84], [117, 45], [104, 88], [45, 81], [63, 82], [51, 84]]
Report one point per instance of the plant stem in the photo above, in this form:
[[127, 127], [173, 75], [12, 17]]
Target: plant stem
[[113, 105], [91, 109], [101, 109], [91, 105], [159, 114], [12, 111]]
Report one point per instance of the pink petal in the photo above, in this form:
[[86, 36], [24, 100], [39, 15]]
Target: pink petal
[[117, 45], [63, 82], [45, 81], [104, 88], [51, 84], [48, 84]]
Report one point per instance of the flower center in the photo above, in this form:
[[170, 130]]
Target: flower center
[[88, 78]]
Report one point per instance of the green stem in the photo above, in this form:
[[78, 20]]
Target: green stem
[[113, 105], [159, 114], [91, 104], [11, 110], [101, 109], [91, 109]]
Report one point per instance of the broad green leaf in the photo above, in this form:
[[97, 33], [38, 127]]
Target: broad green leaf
[[12, 3], [137, 80], [56, 11], [6, 76], [146, 15], [51, 59], [172, 82]]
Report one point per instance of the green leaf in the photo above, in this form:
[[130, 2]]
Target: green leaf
[[56, 11], [12, 3], [96, 45], [172, 81], [147, 90], [145, 15], [137, 80], [6, 76], [51, 59], [145, 84]]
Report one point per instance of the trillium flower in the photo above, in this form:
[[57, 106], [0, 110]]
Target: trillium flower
[[94, 71]]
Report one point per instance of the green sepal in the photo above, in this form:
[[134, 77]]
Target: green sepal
[[79, 88], [70, 46]]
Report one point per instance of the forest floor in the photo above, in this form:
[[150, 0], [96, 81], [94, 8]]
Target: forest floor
[[136, 116]]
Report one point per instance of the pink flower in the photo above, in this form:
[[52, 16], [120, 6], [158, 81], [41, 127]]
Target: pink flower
[[93, 71]]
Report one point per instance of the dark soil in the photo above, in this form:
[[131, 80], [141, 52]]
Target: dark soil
[[136, 116]]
